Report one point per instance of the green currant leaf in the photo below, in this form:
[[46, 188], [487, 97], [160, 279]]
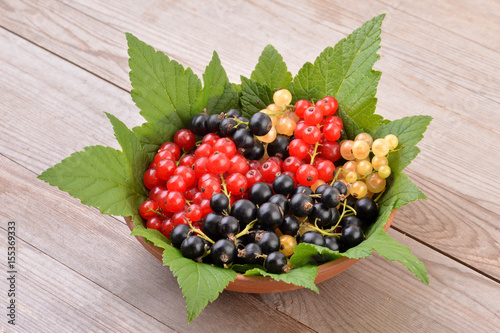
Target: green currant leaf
[[302, 276], [345, 72], [99, 177], [163, 90], [310, 254], [271, 70], [152, 235], [254, 96], [217, 94], [409, 131], [389, 248], [350, 129]]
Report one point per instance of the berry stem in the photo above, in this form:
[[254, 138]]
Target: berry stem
[[156, 212], [198, 231], [336, 176], [315, 152], [240, 122], [323, 232], [224, 187], [245, 231], [379, 195]]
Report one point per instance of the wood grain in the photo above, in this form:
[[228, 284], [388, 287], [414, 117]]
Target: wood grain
[[456, 108], [52, 297]]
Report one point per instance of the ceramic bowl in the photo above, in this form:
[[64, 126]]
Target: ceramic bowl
[[261, 284]]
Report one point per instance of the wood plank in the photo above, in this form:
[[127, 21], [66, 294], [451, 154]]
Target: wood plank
[[54, 298], [457, 299], [99, 249], [86, 125]]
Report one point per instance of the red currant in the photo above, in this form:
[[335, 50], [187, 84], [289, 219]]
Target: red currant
[[177, 183], [226, 146], [210, 138], [187, 160], [151, 179], [171, 147], [298, 148], [236, 184], [167, 227], [254, 164], [190, 193], [311, 135], [200, 166], [254, 176], [278, 161], [334, 120], [175, 202], [327, 105], [198, 197], [292, 175], [299, 130], [179, 218], [330, 151], [165, 169], [209, 187], [148, 209], [164, 155], [291, 164], [185, 139], [307, 175], [300, 107], [270, 170], [331, 132], [313, 116], [325, 169], [204, 150], [187, 173], [208, 176], [238, 164], [154, 192], [205, 207], [154, 223], [218, 163], [193, 213]]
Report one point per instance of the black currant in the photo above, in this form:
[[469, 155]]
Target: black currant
[[270, 215], [179, 234], [255, 152], [276, 263], [279, 147], [321, 215], [335, 216], [233, 113], [351, 201], [219, 202], [198, 124], [321, 188], [313, 237], [260, 193], [213, 123], [242, 138], [223, 252], [283, 184], [243, 123], [301, 205], [281, 201], [352, 235], [193, 247], [227, 127], [229, 226], [351, 220], [302, 189], [244, 211], [366, 210], [253, 254], [260, 124], [268, 241], [290, 226], [330, 197], [333, 243], [211, 226], [341, 187]]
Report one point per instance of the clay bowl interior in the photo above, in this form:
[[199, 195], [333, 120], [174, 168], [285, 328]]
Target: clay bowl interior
[[261, 284]]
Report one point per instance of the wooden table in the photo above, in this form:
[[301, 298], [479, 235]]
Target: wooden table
[[65, 61]]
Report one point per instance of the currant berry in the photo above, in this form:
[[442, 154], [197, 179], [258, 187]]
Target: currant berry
[[223, 252], [325, 170], [255, 152], [268, 242], [198, 124], [302, 189], [330, 151], [245, 211], [287, 244], [332, 132], [164, 155], [154, 223], [238, 164], [177, 183], [311, 135], [313, 237], [279, 147], [210, 138], [167, 227], [290, 226], [321, 215], [260, 124], [260, 193], [209, 187], [218, 163], [151, 179], [187, 160], [253, 177], [204, 150], [276, 263], [366, 210], [333, 243], [179, 234], [242, 138], [300, 107], [301, 205], [327, 105], [283, 184], [233, 113], [331, 197], [360, 149], [193, 247], [313, 116], [219, 202], [392, 140], [236, 184], [229, 226], [341, 187], [213, 122], [227, 127], [298, 148], [253, 254], [365, 137], [226, 146], [269, 137], [286, 126], [380, 147], [211, 226], [148, 209], [351, 236], [270, 215], [270, 170], [307, 175], [185, 139], [282, 97], [281, 201]]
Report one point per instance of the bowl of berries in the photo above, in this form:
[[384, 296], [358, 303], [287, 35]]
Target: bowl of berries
[[268, 185], [232, 191]]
